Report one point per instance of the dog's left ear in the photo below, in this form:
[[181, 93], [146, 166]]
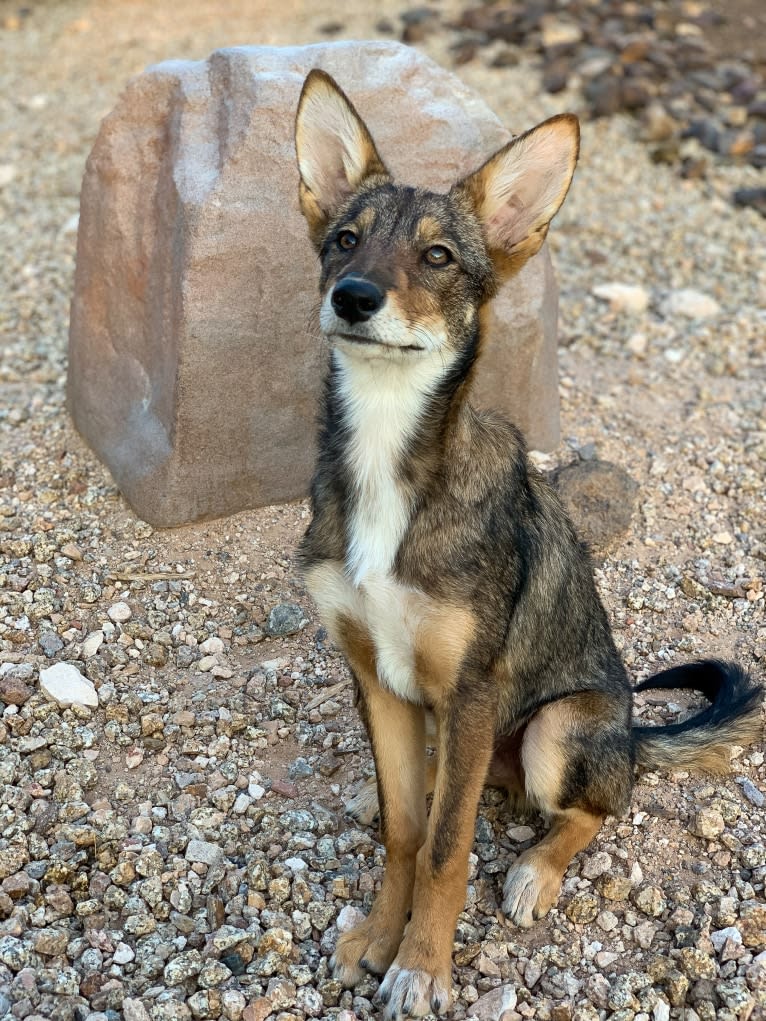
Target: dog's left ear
[[520, 189], [336, 153]]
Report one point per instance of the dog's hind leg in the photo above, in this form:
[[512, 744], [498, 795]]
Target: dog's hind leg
[[577, 769]]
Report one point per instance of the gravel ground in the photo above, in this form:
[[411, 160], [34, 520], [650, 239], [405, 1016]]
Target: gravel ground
[[179, 850]]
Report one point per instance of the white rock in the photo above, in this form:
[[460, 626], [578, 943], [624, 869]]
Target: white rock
[[64, 684], [623, 297], [119, 613], [134, 1010], [596, 865], [242, 803], [207, 663], [296, 864], [521, 833], [533, 972], [556, 32], [70, 225], [720, 937], [255, 790], [349, 917], [123, 954], [637, 344], [661, 1011], [20, 671], [607, 920], [691, 304], [674, 355], [212, 646], [7, 173], [494, 1003], [203, 851], [92, 644], [604, 959]]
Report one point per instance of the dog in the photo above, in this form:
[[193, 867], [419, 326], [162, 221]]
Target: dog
[[442, 563]]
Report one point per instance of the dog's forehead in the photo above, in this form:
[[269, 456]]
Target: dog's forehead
[[399, 212]]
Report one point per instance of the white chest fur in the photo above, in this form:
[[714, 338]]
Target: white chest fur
[[383, 401], [392, 614]]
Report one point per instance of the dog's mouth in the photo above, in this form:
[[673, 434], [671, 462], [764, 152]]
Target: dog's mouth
[[354, 338]]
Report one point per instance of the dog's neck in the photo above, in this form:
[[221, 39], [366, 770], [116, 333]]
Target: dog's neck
[[398, 417]]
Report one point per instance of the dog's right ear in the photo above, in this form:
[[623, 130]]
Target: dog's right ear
[[336, 153]]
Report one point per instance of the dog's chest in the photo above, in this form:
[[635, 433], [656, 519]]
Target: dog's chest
[[419, 642], [382, 413], [415, 637], [382, 407]]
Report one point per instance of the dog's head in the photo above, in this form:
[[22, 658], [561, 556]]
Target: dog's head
[[405, 271]]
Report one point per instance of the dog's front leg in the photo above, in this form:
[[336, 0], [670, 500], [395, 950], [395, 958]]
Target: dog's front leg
[[420, 979], [397, 735]]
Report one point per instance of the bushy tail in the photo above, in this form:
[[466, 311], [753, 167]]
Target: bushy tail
[[702, 742]]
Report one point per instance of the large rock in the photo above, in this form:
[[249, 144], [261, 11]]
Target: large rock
[[194, 369]]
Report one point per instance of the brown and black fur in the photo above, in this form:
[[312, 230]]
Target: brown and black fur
[[514, 660]]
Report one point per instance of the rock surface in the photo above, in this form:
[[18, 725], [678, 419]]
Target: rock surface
[[599, 497], [65, 685], [623, 297], [190, 356]]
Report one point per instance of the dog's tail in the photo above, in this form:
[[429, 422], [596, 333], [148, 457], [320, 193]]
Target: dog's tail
[[703, 741]]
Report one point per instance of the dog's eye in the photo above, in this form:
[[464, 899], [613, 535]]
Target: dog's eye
[[438, 255], [347, 240]]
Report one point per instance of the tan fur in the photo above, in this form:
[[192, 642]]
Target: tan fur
[[681, 753], [365, 221], [545, 751], [364, 806], [516, 203], [444, 635], [440, 890], [335, 597], [434, 634], [416, 307], [397, 732], [429, 230]]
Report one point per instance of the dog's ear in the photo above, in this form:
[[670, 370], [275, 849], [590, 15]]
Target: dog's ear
[[519, 190], [336, 153]]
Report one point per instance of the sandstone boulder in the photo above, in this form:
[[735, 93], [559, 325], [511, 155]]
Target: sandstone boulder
[[194, 364]]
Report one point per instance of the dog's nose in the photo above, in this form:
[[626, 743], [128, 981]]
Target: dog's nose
[[355, 299]]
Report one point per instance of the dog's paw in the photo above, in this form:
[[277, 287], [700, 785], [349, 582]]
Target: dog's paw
[[529, 892], [363, 807], [364, 948], [407, 993]]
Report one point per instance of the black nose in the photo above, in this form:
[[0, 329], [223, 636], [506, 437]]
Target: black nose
[[355, 299]]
